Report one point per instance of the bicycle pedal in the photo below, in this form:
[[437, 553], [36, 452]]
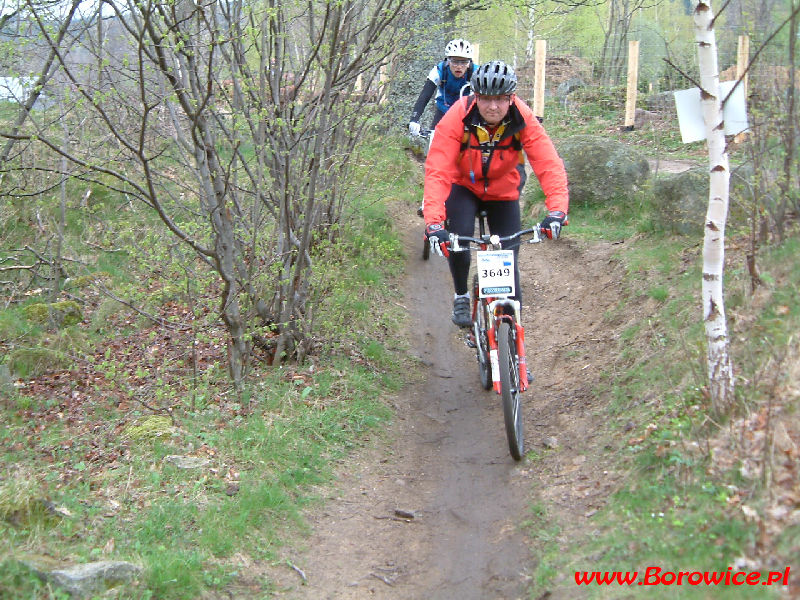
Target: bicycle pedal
[[470, 341]]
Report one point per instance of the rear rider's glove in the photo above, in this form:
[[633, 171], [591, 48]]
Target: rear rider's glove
[[551, 224], [437, 237], [413, 128]]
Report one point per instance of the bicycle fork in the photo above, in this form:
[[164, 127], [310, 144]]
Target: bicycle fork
[[522, 366]]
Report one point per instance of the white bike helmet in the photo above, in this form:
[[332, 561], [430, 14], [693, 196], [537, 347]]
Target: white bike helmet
[[459, 47], [494, 78]]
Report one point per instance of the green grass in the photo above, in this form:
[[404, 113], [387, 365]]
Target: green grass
[[266, 463], [599, 111], [673, 512]]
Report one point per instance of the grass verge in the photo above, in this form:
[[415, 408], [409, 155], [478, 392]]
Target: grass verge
[[699, 494], [131, 454]]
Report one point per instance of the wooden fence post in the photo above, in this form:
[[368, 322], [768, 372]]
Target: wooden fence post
[[540, 55], [476, 52], [633, 82], [742, 58]]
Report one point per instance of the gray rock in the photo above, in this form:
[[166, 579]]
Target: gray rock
[[661, 102], [681, 200], [6, 381], [642, 116], [83, 581], [601, 170], [187, 462], [570, 85], [550, 442]]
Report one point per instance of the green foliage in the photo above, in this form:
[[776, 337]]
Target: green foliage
[[19, 582], [32, 362], [674, 510], [61, 314], [545, 531], [266, 462]]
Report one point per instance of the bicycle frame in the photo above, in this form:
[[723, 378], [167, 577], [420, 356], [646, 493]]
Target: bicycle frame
[[496, 309], [497, 332], [501, 307]]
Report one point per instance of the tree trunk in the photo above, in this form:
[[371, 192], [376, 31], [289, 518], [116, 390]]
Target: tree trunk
[[720, 368]]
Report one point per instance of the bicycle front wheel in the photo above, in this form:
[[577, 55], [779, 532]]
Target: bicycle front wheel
[[510, 387], [481, 340]]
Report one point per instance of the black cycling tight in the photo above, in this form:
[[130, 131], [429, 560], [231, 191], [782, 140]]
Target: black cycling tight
[[503, 217]]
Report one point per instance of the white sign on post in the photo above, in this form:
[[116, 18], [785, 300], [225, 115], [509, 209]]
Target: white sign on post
[[690, 112]]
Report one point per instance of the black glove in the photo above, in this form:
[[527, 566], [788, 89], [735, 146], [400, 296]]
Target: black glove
[[437, 237], [551, 224]]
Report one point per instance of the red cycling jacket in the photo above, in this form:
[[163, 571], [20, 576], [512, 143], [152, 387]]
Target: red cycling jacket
[[457, 158]]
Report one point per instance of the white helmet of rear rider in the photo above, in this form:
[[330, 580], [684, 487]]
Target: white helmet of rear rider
[[459, 47], [494, 78]]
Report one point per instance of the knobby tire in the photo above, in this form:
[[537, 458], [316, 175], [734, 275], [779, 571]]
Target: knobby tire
[[481, 340], [510, 388]]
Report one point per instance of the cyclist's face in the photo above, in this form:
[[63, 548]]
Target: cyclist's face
[[458, 65], [493, 109]]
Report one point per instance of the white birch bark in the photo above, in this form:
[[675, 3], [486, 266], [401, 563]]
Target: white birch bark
[[720, 368], [531, 37]]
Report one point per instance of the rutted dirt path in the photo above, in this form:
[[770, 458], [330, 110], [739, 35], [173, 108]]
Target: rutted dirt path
[[434, 511]]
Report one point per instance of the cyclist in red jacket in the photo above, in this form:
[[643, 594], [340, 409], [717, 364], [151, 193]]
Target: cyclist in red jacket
[[476, 162]]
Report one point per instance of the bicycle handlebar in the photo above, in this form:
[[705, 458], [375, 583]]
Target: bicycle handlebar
[[539, 234]]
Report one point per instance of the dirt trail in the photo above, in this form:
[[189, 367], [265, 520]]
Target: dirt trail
[[434, 512]]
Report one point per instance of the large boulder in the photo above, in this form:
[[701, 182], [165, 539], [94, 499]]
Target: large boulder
[[662, 102], [601, 170], [681, 199], [87, 580], [58, 314], [565, 88]]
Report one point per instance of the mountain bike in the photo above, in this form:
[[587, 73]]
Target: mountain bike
[[497, 333], [426, 134]]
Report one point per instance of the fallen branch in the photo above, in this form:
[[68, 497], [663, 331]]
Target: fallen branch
[[383, 579], [298, 570], [157, 320]]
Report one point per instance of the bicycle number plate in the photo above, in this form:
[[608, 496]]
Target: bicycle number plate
[[495, 273]]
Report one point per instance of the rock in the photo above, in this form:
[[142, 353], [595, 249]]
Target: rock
[[59, 314], [661, 102], [570, 85], [86, 580], [187, 462], [642, 116], [601, 170], [28, 362], [550, 442], [149, 427], [681, 199]]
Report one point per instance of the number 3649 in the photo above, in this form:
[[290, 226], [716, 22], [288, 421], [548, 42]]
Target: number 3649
[[504, 272]]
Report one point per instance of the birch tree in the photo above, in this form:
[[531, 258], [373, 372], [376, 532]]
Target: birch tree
[[720, 367]]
